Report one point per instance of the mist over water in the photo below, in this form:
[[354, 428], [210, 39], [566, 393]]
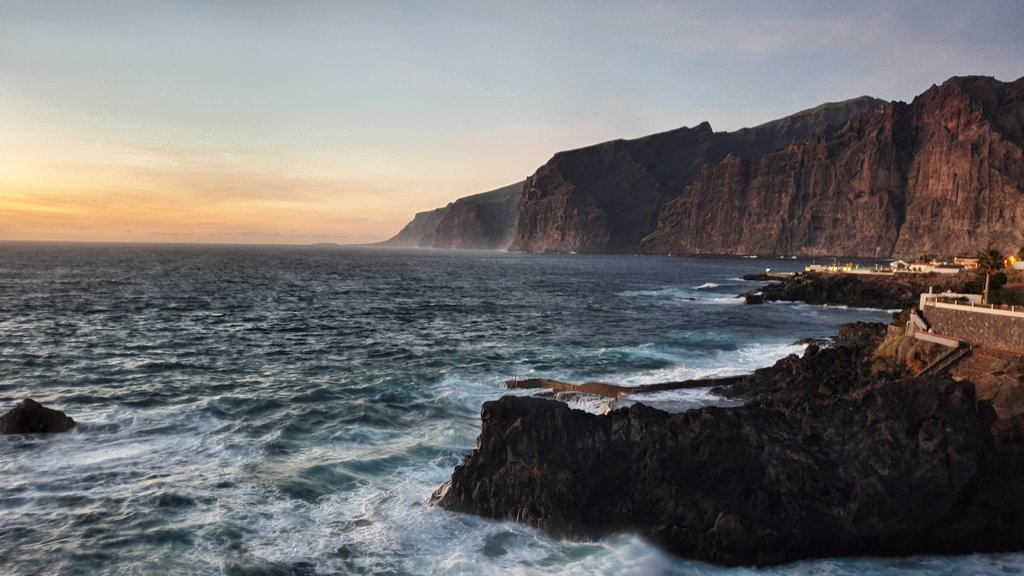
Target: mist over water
[[273, 410]]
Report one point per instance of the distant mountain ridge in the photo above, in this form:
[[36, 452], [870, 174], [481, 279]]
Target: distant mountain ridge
[[859, 177], [481, 221]]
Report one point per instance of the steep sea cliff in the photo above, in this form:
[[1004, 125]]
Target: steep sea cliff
[[943, 174]]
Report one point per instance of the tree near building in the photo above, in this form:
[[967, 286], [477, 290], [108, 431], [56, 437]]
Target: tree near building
[[989, 260]]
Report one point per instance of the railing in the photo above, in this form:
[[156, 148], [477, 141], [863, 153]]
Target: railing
[[947, 359]]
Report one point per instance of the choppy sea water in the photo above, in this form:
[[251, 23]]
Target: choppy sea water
[[289, 410]]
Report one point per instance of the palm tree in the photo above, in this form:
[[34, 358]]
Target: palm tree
[[989, 261]]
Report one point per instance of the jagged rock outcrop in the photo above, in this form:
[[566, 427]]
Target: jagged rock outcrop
[[822, 460], [859, 290], [607, 198], [482, 221], [943, 174], [31, 417]]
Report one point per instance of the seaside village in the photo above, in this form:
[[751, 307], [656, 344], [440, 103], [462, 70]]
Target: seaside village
[[969, 321]]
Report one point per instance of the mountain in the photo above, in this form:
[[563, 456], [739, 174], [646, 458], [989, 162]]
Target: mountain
[[607, 198], [943, 174], [482, 221]]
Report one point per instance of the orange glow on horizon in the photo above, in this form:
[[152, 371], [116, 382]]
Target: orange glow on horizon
[[201, 199]]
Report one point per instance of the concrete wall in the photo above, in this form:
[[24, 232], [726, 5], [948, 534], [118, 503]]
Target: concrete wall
[[989, 330]]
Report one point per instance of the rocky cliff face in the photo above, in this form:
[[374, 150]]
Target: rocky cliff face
[[943, 174], [481, 221], [965, 184], [607, 198], [824, 459], [421, 232]]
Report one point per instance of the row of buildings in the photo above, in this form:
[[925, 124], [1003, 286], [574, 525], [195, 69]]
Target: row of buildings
[[904, 267]]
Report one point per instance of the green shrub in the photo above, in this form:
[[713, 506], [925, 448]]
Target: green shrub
[[901, 317]]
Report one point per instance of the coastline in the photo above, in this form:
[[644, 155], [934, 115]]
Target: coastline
[[838, 452], [885, 292]]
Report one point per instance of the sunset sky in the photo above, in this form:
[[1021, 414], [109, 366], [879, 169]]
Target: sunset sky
[[298, 122]]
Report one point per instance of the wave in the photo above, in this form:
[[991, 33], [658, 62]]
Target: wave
[[660, 293], [726, 359], [697, 294]]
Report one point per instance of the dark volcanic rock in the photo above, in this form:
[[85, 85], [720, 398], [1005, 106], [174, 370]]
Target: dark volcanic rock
[[30, 417], [820, 461], [861, 336], [753, 298], [858, 290]]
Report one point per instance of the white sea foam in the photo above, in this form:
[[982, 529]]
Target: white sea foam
[[270, 429], [721, 363], [660, 293], [695, 295]]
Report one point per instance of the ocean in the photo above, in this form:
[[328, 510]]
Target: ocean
[[289, 410]]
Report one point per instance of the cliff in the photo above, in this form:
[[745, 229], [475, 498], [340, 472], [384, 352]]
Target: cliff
[[421, 232], [607, 198], [824, 459], [943, 174], [481, 221]]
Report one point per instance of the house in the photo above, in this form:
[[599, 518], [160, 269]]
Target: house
[[968, 263]]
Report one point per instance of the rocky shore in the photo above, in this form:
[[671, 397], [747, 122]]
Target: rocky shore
[[831, 454], [858, 290]]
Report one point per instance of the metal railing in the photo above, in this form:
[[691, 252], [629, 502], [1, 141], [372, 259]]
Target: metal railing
[[1000, 309]]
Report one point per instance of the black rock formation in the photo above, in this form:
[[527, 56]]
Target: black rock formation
[[822, 460], [859, 290], [30, 417]]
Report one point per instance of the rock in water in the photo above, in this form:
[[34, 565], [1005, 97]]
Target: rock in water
[[30, 417], [870, 467], [753, 298]]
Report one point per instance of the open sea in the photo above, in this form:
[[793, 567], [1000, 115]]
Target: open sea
[[290, 410]]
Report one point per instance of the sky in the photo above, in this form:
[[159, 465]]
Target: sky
[[336, 121]]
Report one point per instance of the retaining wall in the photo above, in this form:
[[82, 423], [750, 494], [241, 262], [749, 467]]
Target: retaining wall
[[998, 331]]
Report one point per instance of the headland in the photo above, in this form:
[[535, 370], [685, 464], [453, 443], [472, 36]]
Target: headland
[[875, 444]]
